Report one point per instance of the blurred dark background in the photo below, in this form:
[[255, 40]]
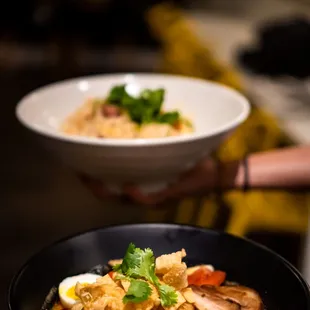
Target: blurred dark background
[[48, 40]]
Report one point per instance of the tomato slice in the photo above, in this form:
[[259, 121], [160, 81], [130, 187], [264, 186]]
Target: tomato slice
[[111, 274], [204, 276], [199, 276], [216, 278]]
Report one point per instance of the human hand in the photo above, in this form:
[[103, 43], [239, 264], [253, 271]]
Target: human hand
[[96, 187], [201, 178]]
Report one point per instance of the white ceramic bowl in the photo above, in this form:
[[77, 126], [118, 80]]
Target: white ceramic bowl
[[214, 109]]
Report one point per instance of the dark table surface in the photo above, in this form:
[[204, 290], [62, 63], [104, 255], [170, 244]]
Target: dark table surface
[[42, 201]]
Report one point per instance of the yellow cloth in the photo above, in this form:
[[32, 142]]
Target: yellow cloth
[[183, 53]]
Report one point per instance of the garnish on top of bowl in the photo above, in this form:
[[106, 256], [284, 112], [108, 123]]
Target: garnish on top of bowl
[[142, 282], [122, 115]]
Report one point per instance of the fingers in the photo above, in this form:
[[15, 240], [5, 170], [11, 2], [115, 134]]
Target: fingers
[[174, 191], [147, 199], [96, 187], [134, 194], [131, 193]]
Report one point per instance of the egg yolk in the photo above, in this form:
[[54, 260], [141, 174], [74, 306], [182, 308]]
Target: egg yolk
[[71, 292]]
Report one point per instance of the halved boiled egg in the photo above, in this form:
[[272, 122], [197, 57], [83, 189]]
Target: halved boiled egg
[[66, 289]]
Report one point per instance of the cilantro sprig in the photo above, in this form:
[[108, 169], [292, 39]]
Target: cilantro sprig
[[168, 295], [145, 108], [139, 265], [138, 291]]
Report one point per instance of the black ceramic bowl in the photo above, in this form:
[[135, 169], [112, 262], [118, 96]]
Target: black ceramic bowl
[[279, 283]]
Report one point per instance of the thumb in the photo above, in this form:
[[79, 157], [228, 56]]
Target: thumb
[[147, 199]]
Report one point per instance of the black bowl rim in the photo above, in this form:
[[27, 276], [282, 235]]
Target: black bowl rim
[[17, 275]]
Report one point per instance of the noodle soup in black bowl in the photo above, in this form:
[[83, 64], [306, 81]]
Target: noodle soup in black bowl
[[247, 266]]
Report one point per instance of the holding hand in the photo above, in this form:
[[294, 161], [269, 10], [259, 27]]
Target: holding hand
[[202, 178]]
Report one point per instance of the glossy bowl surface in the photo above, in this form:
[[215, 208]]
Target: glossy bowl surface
[[277, 281], [215, 111]]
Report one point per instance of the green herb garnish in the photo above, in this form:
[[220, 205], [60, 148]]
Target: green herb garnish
[[168, 295], [140, 264], [116, 94], [138, 291], [169, 117], [145, 108]]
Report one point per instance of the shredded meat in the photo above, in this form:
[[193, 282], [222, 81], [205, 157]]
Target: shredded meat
[[227, 298], [109, 110]]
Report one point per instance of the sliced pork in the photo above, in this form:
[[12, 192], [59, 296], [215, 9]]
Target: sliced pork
[[227, 298]]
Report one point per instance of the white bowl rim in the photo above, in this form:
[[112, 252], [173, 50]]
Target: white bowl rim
[[135, 142]]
